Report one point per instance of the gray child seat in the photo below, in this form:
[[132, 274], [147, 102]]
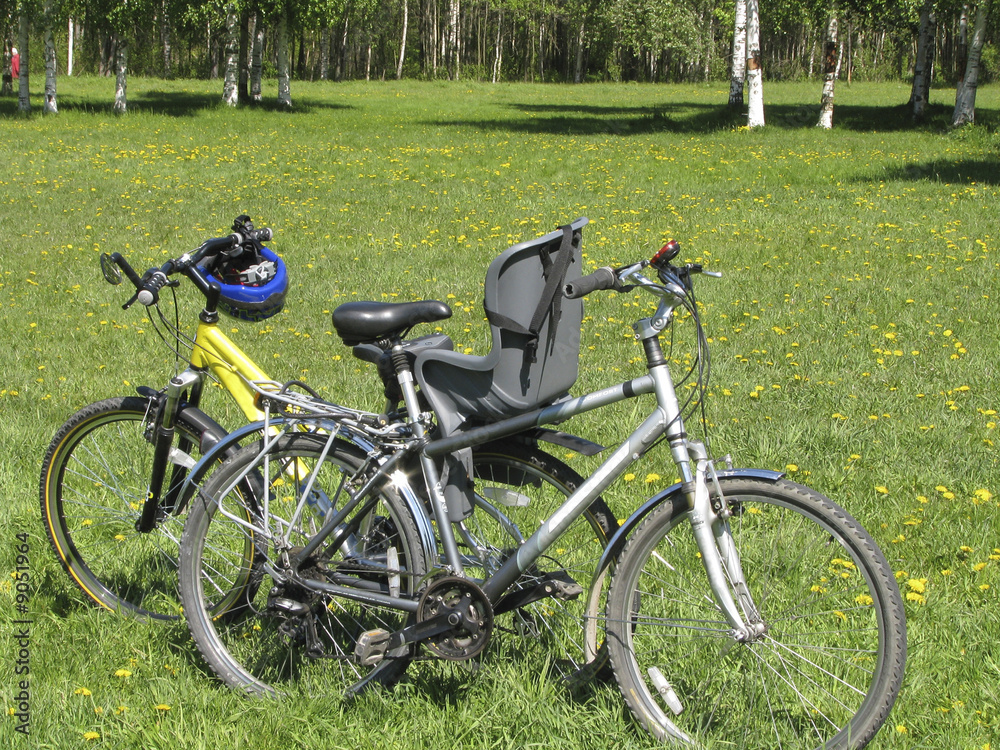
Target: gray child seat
[[534, 356]]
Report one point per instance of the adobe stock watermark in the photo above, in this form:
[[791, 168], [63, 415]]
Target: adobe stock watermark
[[20, 636]]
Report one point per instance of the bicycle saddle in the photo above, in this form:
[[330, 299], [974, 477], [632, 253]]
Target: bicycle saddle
[[367, 322]]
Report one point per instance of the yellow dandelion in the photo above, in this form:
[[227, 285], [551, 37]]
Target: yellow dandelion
[[791, 468], [629, 477], [979, 566], [917, 584], [162, 707], [91, 736], [122, 673], [901, 728], [81, 691], [882, 490], [650, 478]]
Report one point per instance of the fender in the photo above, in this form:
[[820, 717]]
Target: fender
[[555, 437], [563, 439], [615, 544], [228, 444], [210, 432]]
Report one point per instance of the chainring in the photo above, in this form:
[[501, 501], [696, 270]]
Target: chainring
[[465, 605]]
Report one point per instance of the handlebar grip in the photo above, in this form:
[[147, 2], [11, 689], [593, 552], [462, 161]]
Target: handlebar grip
[[602, 278], [150, 291]]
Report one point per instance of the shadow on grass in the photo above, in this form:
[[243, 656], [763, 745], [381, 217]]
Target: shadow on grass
[[165, 103], [692, 117], [963, 172]]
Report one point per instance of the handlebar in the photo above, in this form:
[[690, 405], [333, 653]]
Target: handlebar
[[148, 285], [675, 279], [602, 278]]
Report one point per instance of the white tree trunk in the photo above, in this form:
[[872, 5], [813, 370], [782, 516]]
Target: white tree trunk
[[49, 107], [324, 53], [498, 49], [23, 35], [165, 39], [230, 79], [755, 76], [256, 59], [738, 75], [284, 72], [121, 76], [830, 71], [965, 98], [69, 48], [580, 37], [454, 39], [402, 41]]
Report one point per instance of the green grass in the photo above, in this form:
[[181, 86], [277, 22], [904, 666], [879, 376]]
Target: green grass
[[854, 342]]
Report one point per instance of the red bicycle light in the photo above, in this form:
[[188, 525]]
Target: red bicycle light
[[667, 253]]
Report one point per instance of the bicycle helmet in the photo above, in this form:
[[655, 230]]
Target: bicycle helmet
[[254, 282]]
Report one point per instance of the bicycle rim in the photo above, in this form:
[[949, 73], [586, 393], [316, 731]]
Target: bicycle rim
[[827, 668], [93, 483], [518, 488], [257, 630]]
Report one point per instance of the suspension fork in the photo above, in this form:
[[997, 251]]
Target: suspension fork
[[163, 437], [710, 525]]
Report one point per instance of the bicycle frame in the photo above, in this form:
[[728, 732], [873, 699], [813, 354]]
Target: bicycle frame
[[708, 523]]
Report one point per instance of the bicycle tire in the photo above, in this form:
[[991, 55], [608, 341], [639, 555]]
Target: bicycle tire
[[526, 485], [93, 483], [826, 671], [265, 637]]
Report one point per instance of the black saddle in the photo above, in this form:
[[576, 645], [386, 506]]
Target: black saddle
[[368, 322]]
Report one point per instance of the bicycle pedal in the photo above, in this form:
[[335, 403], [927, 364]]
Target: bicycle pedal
[[371, 647]]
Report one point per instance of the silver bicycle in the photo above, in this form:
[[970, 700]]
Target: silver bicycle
[[734, 607]]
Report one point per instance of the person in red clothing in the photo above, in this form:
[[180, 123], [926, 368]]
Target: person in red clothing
[[15, 63]]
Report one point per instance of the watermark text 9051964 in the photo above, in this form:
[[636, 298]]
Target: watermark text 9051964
[[21, 636]]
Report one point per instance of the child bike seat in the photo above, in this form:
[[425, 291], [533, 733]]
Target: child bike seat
[[535, 350]]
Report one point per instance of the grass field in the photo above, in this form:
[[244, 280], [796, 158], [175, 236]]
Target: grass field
[[854, 345]]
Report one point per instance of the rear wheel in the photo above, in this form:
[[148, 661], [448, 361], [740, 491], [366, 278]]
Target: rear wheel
[[517, 488], [261, 626], [827, 662]]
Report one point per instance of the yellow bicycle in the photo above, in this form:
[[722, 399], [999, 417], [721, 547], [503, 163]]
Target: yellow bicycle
[[117, 475]]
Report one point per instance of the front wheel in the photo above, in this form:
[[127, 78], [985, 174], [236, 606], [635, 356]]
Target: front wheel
[[93, 484], [826, 664]]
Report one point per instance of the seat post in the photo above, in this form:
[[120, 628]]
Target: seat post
[[432, 476]]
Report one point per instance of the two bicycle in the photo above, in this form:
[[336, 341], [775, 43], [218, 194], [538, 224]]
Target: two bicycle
[[325, 548]]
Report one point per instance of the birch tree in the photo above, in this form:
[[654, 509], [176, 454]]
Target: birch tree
[[230, 86], [965, 96], [256, 56], [23, 35], [830, 70], [923, 64], [121, 76], [49, 105], [402, 40], [284, 70], [737, 78], [755, 75]]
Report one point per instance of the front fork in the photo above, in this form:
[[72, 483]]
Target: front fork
[[709, 516], [164, 454]]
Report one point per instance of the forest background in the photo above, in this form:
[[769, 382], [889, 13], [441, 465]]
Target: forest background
[[499, 40]]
